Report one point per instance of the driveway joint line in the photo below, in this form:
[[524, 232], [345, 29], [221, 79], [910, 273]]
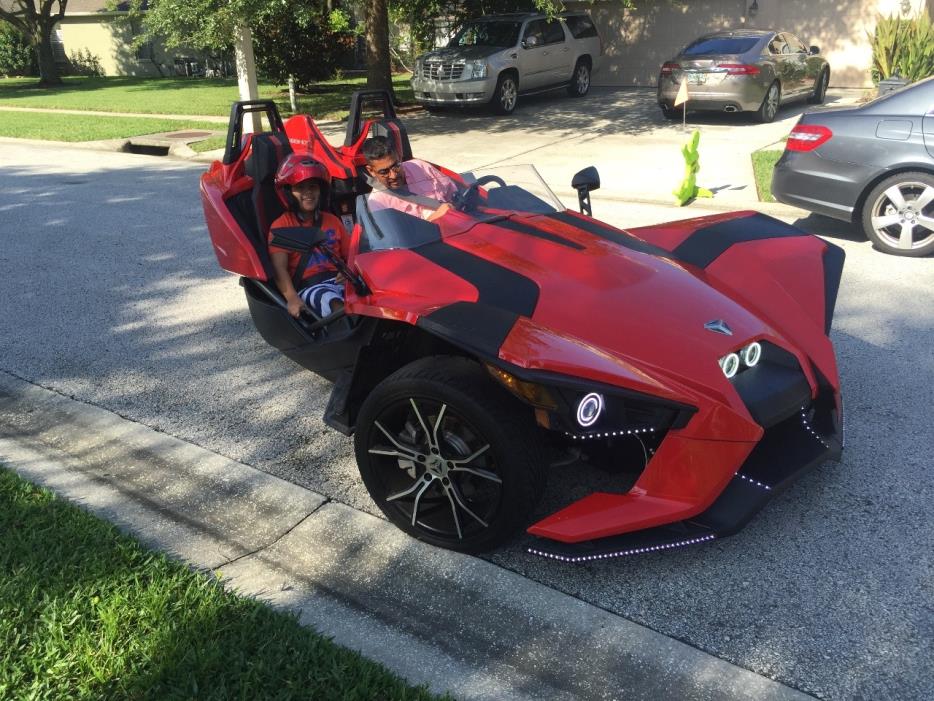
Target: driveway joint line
[[275, 540]]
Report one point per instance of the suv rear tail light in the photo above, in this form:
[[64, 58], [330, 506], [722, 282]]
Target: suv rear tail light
[[669, 67], [807, 137], [740, 69]]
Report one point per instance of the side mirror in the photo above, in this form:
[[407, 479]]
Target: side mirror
[[814, 51], [584, 182], [529, 42]]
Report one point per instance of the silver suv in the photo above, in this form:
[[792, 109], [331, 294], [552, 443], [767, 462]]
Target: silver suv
[[495, 59]]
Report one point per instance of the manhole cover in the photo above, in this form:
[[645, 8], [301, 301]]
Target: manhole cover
[[188, 134]]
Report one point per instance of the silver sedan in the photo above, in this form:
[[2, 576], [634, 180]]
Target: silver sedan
[[744, 71]]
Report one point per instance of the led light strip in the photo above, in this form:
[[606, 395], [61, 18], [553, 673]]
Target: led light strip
[[804, 422], [622, 553], [608, 434], [755, 482]]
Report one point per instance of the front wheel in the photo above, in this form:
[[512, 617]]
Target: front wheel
[[506, 94], [898, 216], [448, 455], [580, 80], [769, 107]]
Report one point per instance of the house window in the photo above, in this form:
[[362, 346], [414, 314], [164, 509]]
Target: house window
[[58, 45], [144, 50]]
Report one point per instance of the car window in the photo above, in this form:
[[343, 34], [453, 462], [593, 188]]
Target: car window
[[498, 34], [580, 26], [777, 46], [795, 44], [554, 32], [535, 33], [720, 45]]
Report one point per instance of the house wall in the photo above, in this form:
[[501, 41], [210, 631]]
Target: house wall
[[112, 45], [638, 41]]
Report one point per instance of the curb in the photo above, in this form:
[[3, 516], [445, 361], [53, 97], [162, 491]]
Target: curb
[[451, 621]]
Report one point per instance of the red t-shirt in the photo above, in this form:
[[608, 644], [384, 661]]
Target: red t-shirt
[[318, 262]]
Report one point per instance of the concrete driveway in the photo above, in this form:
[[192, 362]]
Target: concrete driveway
[[112, 295]]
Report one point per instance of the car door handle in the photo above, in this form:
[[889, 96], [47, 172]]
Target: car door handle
[[565, 49], [513, 55], [544, 53]]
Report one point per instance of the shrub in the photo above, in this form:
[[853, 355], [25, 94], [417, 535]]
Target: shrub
[[83, 62], [904, 47], [16, 55]]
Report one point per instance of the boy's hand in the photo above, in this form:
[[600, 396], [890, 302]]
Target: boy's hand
[[340, 278], [296, 307]]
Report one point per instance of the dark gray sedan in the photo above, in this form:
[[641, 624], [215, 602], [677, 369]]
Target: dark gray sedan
[[744, 71], [872, 165]]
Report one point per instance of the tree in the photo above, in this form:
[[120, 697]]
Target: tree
[[35, 19]]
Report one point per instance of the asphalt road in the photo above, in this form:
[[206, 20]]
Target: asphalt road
[[111, 294]]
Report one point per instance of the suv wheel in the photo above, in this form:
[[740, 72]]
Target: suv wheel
[[447, 457], [580, 80], [898, 216], [506, 94]]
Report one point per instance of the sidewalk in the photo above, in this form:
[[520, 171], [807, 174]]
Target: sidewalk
[[454, 622]]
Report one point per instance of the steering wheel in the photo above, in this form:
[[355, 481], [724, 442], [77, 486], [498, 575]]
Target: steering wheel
[[467, 199]]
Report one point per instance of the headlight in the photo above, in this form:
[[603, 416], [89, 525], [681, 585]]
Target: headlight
[[729, 364], [751, 354], [589, 409], [478, 69]]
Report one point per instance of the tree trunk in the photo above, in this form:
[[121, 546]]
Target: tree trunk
[[42, 42], [378, 70]]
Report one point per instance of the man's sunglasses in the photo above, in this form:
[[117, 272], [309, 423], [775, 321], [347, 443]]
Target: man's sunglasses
[[394, 168]]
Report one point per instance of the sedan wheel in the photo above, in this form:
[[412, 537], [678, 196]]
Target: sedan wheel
[[447, 456], [899, 215], [770, 103], [820, 88]]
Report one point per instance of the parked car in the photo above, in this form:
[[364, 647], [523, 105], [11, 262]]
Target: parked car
[[692, 359], [753, 71], [872, 165], [493, 60]]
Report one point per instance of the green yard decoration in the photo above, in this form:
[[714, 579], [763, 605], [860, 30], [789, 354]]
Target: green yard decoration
[[688, 189]]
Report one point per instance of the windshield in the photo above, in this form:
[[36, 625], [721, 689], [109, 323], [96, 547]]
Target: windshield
[[398, 218], [489, 33]]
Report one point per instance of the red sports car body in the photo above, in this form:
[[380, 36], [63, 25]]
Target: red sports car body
[[695, 354]]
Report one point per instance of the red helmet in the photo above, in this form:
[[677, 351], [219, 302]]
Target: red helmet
[[296, 168]]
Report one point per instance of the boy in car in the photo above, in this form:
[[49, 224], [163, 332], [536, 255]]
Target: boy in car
[[303, 184], [412, 177]]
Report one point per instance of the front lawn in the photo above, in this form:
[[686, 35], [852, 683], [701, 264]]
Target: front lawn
[[195, 96], [75, 127], [87, 613], [763, 162]]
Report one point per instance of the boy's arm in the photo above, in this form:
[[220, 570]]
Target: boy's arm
[[280, 266]]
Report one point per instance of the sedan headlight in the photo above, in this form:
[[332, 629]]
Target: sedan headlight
[[477, 70]]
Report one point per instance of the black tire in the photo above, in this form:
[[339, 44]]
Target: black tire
[[580, 79], [432, 108], [506, 94], [893, 219], [770, 104], [406, 456], [820, 88], [670, 113]]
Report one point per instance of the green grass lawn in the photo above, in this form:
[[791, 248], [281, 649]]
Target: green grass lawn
[[762, 164], [73, 127], [209, 144], [197, 96], [87, 613]]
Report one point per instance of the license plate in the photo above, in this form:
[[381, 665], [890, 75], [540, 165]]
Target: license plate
[[697, 78]]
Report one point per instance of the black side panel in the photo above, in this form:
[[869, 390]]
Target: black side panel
[[609, 234], [522, 228], [772, 392], [477, 327], [705, 245], [833, 272], [499, 287]]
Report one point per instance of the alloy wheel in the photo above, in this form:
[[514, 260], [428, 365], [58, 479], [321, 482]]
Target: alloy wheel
[[507, 95], [902, 216], [582, 79], [436, 469]]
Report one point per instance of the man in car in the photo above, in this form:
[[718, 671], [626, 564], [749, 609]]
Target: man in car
[[393, 176]]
